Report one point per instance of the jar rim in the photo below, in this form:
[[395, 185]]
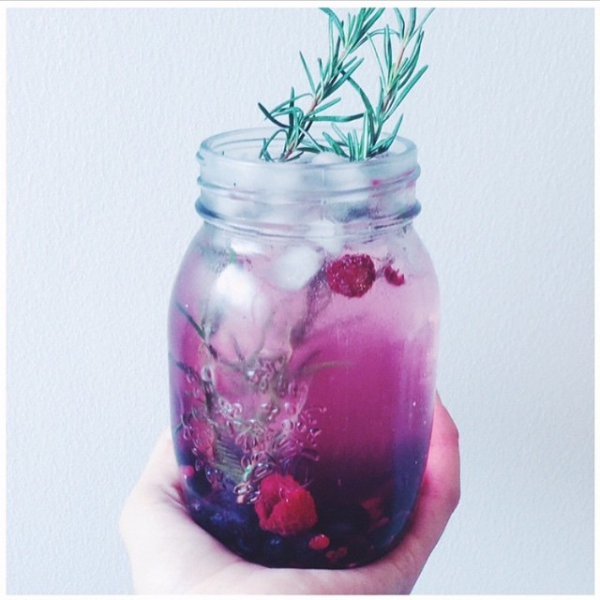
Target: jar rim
[[401, 158]]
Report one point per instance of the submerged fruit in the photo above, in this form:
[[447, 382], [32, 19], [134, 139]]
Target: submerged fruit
[[284, 506], [319, 542], [392, 276], [352, 275]]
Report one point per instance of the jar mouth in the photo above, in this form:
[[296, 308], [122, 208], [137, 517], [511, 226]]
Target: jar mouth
[[242, 190], [236, 153]]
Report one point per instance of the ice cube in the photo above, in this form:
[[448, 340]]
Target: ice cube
[[295, 267], [329, 235], [244, 246], [351, 178], [238, 313], [285, 177], [235, 287], [327, 158]]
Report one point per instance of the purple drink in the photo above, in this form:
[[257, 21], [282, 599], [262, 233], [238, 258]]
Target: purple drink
[[303, 343]]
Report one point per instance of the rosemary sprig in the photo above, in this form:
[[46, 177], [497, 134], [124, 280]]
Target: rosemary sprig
[[397, 78], [345, 38]]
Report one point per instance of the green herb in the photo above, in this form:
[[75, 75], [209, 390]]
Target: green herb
[[397, 59]]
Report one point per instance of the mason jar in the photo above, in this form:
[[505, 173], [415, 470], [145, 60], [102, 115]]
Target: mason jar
[[303, 335]]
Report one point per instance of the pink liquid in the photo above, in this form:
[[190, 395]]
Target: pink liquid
[[302, 418]]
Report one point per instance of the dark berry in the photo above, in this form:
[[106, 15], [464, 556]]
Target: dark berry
[[247, 545], [352, 275], [392, 276], [275, 550]]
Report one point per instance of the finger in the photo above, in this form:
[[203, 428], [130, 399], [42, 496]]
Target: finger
[[161, 473], [163, 542], [157, 486], [439, 495]]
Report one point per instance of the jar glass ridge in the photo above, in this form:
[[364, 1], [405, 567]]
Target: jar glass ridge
[[242, 190], [303, 334]]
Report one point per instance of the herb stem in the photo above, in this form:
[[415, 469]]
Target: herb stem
[[397, 78]]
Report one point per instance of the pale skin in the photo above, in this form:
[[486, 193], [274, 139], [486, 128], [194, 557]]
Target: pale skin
[[169, 553]]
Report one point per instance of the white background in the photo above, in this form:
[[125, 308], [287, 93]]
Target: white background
[[106, 111]]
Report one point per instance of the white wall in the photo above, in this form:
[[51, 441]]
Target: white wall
[[106, 110]]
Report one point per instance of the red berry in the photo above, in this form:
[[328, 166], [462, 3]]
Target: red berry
[[352, 275], [335, 555], [319, 542], [392, 276], [284, 506], [187, 471]]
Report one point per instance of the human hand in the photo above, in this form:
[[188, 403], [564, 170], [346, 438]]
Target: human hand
[[169, 553]]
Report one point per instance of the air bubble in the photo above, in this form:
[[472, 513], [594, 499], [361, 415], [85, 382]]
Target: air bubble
[[262, 470], [206, 374]]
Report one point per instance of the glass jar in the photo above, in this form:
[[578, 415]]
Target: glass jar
[[303, 341]]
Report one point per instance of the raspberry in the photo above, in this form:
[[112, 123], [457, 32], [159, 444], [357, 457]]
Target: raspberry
[[392, 276], [319, 542], [284, 506], [352, 275]]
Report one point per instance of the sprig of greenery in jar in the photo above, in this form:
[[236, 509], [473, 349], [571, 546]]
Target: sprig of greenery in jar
[[397, 59]]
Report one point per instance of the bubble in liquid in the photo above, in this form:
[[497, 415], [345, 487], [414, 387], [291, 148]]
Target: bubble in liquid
[[207, 374], [263, 469], [301, 427]]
